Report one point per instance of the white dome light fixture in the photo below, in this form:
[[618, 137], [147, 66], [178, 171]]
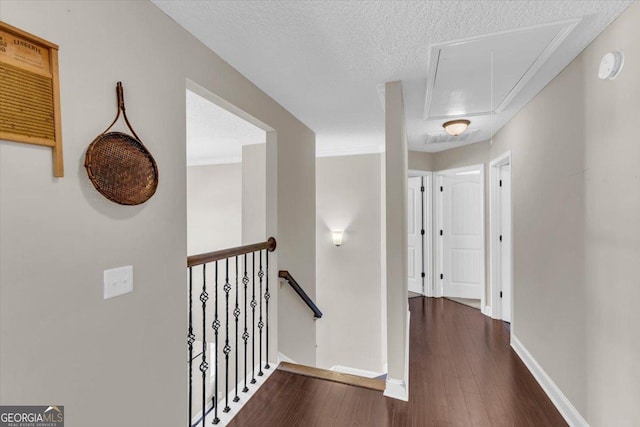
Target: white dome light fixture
[[456, 127], [611, 65]]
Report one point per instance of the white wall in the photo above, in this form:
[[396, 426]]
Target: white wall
[[349, 285], [214, 207], [59, 340]]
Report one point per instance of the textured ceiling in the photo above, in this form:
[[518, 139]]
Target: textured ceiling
[[323, 60], [214, 135]]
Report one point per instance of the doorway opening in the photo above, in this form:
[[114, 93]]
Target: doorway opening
[[226, 168], [419, 227], [226, 159], [501, 238], [460, 237]]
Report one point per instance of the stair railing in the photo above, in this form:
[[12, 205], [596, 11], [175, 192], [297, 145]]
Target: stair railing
[[239, 270], [283, 274]]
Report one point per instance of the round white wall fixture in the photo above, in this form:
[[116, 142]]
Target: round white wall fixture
[[611, 65]]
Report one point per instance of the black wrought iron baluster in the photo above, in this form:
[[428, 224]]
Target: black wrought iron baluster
[[266, 302], [253, 319], [260, 322], [226, 350], [190, 339], [245, 335], [236, 314], [216, 326], [204, 296]]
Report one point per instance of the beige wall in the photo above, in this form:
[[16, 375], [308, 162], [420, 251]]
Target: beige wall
[[612, 228], [396, 232], [575, 151], [467, 155], [348, 192], [421, 161], [297, 226], [254, 196], [214, 207], [59, 340], [473, 154]]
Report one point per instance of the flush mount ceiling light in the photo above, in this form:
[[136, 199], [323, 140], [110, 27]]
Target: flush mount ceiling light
[[456, 127]]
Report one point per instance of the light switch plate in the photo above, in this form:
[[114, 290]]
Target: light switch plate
[[118, 281]]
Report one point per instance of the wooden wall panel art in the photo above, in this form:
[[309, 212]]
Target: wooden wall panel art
[[30, 92]]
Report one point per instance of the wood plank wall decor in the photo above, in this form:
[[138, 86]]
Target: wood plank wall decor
[[30, 92]]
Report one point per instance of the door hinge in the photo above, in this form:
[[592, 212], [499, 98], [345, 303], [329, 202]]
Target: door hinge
[[422, 232], [441, 188], [500, 183], [422, 189], [423, 275], [441, 232], [501, 237], [500, 294], [441, 276]]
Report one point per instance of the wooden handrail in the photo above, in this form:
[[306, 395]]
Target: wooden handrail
[[283, 274], [199, 259]]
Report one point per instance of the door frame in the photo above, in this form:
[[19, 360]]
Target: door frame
[[439, 246], [496, 303], [427, 225]]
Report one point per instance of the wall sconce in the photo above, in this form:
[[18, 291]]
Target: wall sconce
[[337, 237]]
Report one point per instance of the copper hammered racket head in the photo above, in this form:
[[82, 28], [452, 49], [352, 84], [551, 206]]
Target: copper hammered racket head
[[121, 168]]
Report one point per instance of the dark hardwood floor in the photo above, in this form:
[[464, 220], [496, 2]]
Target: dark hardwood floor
[[462, 373]]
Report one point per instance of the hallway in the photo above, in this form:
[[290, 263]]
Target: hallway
[[462, 373]]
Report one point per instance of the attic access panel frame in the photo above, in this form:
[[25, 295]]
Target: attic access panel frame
[[30, 92], [548, 38]]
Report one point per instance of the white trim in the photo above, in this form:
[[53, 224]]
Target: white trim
[[564, 32], [564, 406], [437, 221], [427, 224], [406, 351], [496, 303], [486, 310], [399, 389], [225, 418], [396, 389], [284, 358], [566, 26], [356, 371], [348, 151]]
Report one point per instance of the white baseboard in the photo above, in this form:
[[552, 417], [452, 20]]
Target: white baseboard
[[284, 358], [396, 389], [564, 406], [486, 310], [406, 354], [356, 371], [225, 418]]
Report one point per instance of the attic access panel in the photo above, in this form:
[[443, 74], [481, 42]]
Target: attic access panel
[[460, 72], [30, 92]]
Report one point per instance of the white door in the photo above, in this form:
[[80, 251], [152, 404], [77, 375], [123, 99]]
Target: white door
[[462, 235], [414, 229], [504, 240]]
